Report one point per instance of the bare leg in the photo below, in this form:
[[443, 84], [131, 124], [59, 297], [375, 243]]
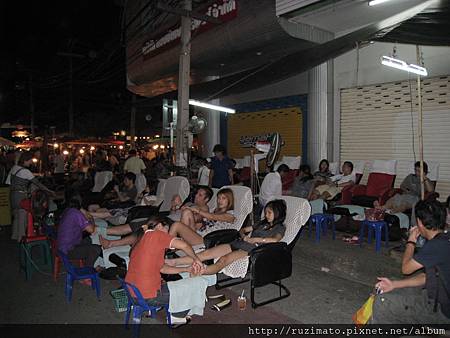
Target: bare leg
[[187, 218], [178, 229], [106, 244], [100, 214], [119, 230], [216, 252], [224, 261]]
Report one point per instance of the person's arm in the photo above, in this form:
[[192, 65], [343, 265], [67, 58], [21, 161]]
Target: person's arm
[[36, 182], [387, 285], [225, 217], [173, 270], [230, 175], [346, 184], [122, 197], [211, 175], [406, 184], [263, 240], [428, 185], [187, 249], [409, 264]]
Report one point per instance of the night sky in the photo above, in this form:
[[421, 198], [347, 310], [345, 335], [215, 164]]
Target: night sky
[[36, 32]]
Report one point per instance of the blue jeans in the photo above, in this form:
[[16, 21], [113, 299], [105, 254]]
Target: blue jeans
[[162, 299]]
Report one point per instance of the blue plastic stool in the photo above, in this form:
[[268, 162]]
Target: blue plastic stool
[[27, 263], [321, 221], [139, 307], [75, 273], [376, 226]]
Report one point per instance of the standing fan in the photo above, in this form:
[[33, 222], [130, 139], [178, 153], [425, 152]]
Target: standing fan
[[196, 125], [270, 150]]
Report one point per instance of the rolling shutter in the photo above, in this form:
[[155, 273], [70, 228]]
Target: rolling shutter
[[377, 122]]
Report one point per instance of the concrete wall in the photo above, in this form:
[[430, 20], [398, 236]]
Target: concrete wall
[[371, 71]]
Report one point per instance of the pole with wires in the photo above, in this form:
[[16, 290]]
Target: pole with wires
[[420, 126]]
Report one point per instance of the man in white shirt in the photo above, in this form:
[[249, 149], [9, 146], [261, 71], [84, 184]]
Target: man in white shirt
[[272, 187], [134, 163], [203, 172], [338, 182]]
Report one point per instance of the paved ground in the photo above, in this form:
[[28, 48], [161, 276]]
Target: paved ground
[[330, 280]]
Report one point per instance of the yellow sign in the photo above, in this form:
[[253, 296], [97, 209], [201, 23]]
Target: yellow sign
[[246, 126]]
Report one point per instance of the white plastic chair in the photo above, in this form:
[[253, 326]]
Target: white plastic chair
[[174, 185], [212, 203], [141, 183], [159, 197], [101, 179], [298, 211], [243, 204]]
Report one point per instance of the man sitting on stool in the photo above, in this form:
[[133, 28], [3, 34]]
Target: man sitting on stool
[[425, 297]]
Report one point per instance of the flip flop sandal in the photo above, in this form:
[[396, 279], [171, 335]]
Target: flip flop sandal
[[222, 305], [178, 325], [217, 297]]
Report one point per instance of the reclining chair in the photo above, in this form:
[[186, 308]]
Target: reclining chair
[[269, 263], [380, 182], [173, 185]]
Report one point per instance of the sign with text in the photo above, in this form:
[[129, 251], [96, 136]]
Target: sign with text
[[225, 11]]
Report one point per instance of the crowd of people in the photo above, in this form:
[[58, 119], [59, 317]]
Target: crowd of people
[[190, 221]]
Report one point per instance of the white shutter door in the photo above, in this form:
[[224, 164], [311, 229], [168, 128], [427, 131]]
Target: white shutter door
[[377, 123]]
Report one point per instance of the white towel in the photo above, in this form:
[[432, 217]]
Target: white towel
[[189, 294]]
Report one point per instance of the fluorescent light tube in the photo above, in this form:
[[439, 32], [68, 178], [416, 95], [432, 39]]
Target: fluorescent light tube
[[211, 106], [377, 2], [402, 65]]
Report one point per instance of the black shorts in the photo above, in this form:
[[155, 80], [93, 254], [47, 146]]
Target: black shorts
[[239, 244]]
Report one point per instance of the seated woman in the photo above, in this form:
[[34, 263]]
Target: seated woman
[[411, 191], [336, 183], [75, 221], [270, 230], [147, 262], [324, 172], [219, 219]]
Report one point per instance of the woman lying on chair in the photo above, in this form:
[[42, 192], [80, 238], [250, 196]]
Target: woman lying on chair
[[222, 218], [270, 230]]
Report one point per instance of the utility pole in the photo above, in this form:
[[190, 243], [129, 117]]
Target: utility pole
[[71, 55], [183, 84], [30, 88], [420, 129], [70, 96], [133, 120]]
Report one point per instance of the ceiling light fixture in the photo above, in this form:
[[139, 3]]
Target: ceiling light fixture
[[402, 65], [211, 106], [377, 2]]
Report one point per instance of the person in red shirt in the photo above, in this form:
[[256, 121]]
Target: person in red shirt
[[147, 262]]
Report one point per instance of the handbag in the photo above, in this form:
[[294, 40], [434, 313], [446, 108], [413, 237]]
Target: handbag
[[362, 316], [374, 214]]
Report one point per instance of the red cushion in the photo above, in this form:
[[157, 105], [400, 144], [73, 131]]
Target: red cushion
[[288, 179], [26, 204], [378, 183]]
